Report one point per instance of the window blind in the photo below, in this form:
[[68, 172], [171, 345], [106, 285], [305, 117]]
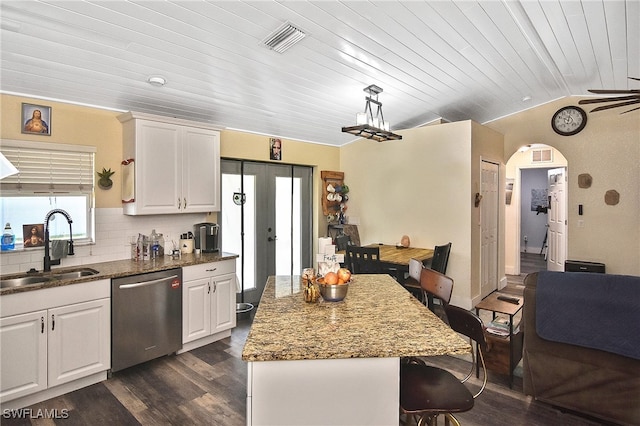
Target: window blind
[[48, 167]]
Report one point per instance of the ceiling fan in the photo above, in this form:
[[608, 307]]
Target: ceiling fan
[[632, 98]]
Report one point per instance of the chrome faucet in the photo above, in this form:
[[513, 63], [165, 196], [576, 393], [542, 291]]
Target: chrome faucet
[[47, 257]]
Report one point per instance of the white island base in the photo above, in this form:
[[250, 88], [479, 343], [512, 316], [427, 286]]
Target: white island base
[[353, 391]]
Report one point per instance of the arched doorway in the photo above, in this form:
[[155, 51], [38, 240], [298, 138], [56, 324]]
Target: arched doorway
[[528, 172]]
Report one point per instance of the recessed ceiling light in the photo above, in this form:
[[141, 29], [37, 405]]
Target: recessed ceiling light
[[157, 81]]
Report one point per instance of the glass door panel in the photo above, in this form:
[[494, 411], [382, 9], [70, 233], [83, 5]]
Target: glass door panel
[[272, 230]]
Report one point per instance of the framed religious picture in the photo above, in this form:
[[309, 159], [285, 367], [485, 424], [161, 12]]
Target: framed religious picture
[[33, 235], [275, 149], [36, 119]]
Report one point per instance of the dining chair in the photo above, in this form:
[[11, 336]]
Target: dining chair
[[363, 260], [438, 262], [412, 283], [440, 259], [436, 286], [427, 391], [342, 241]]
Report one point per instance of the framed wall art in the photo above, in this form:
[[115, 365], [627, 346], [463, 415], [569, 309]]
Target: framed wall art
[[36, 119], [33, 235], [275, 149]]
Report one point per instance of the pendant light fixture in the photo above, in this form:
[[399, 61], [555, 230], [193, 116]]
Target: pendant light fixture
[[368, 125]]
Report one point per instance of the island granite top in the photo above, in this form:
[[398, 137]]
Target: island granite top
[[120, 268], [378, 318]]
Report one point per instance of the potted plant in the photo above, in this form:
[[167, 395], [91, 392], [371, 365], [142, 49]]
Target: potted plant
[[105, 181]]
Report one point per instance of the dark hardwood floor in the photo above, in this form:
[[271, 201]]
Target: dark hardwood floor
[[207, 386]]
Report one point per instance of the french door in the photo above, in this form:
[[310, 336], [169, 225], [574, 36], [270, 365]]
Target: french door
[[266, 218]]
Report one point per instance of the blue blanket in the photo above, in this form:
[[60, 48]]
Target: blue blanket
[[592, 310]]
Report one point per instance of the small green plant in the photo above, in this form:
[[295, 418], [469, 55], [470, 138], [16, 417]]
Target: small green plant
[[105, 181]]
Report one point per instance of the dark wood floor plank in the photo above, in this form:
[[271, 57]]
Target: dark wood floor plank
[[207, 386]]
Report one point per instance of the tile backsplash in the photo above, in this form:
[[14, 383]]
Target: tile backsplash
[[113, 231]]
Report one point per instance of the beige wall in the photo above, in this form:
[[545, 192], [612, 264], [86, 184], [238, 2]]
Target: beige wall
[[72, 124], [386, 179], [422, 186], [249, 146], [609, 150], [76, 125]]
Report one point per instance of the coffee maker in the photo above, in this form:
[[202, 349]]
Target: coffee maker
[[206, 236]]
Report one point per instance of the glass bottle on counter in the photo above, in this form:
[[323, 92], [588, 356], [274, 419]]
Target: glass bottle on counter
[[155, 245]]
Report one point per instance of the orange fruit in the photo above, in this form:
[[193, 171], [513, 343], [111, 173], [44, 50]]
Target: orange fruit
[[331, 278], [344, 274]]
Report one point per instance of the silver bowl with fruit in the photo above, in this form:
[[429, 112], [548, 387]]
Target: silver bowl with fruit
[[333, 292], [334, 285]]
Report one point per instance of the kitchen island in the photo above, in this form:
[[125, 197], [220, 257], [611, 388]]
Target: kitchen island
[[337, 362]]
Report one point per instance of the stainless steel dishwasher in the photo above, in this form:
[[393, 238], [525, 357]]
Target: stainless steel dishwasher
[[146, 317]]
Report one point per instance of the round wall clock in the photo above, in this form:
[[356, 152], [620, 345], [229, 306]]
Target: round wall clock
[[569, 120]]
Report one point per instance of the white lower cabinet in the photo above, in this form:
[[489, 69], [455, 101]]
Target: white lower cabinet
[[78, 343], [208, 303], [23, 339], [52, 348]]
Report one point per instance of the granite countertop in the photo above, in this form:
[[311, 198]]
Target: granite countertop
[[119, 268], [378, 318]]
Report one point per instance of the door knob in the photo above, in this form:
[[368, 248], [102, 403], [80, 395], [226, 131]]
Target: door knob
[[272, 239]]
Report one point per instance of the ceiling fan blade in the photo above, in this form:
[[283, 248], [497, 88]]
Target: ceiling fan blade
[[632, 109], [604, 107], [613, 92], [619, 98]]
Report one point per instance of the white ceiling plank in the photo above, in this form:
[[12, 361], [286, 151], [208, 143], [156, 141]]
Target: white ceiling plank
[[471, 59]]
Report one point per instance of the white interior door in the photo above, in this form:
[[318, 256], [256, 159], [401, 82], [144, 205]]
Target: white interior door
[[489, 214], [557, 219]]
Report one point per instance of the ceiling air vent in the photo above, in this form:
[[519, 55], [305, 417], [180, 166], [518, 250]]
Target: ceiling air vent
[[541, 156], [284, 37]]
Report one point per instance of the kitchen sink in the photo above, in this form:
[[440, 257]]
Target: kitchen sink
[[39, 277], [76, 273], [21, 281]]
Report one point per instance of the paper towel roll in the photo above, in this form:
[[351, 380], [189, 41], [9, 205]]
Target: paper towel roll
[[323, 242]]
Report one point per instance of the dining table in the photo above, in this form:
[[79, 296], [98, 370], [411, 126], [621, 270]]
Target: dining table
[[395, 258]]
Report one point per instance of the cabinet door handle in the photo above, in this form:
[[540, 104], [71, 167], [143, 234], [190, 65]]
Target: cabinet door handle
[[208, 288], [211, 270], [41, 325], [184, 203], [179, 203], [53, 322], [215, 287]]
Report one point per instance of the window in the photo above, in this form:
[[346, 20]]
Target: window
[[51, 176]]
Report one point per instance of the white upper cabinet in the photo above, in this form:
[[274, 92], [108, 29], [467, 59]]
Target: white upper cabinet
[[176, 165]]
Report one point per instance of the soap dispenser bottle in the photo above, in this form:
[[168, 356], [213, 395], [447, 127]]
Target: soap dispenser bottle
[[8, 238]]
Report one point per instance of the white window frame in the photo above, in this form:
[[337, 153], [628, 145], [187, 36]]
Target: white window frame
[[67, 178]]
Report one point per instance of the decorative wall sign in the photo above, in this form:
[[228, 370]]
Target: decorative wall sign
[[584, 180], [612, 197], [36, 119]]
